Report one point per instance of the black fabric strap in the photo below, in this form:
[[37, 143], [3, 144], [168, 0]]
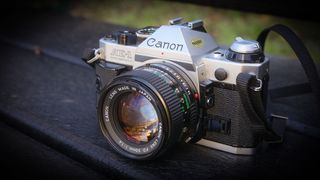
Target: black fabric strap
[[243, 82], [301, 52], [253, 105], [252, 100]]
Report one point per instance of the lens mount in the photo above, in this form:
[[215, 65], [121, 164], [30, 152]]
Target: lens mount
[[144, 112]]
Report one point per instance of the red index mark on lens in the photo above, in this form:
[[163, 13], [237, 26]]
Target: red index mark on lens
[[196, 96]]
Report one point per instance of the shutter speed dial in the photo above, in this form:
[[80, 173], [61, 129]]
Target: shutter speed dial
[[245, 51]]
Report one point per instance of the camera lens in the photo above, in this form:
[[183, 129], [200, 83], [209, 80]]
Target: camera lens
[[144, 112], [138, 118]]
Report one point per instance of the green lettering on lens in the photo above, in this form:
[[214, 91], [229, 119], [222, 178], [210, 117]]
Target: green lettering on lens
[[186, 100], [182, 108]]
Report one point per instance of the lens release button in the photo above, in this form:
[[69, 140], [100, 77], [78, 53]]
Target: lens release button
[[220, 74]]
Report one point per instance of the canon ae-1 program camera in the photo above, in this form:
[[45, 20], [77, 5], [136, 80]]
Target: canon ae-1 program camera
[[161, 85]]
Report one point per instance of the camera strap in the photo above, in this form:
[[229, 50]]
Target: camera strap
[[303, 55], [252, 99], [252, 102]]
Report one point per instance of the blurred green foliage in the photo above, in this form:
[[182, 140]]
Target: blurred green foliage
[[223, 24]]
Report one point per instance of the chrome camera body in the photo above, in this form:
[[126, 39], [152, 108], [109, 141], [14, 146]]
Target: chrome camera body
[[161, 85]]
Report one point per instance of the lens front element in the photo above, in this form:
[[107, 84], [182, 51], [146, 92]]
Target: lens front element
[[138, 118]]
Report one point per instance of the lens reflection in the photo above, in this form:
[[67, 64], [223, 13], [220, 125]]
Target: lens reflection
[[137, 118]]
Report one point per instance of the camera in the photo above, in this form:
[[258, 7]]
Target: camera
[[158, 86]]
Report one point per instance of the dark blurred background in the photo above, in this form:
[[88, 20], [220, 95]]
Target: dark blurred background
[[224, 19]]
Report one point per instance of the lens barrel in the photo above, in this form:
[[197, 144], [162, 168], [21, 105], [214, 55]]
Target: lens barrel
[[145, 111]]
